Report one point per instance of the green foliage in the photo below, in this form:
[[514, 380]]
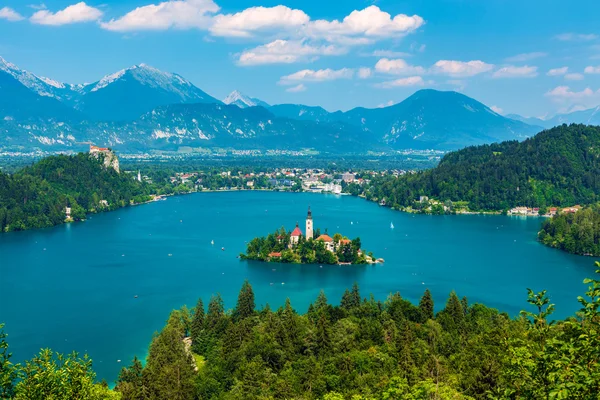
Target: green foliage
[[559, 166], [55, 376], [36, 196], [8, 371], [577, 233], [363, 350], [245, 304]]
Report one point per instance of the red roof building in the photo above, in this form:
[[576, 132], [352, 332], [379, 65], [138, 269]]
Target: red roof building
[[275, 254], [325, 238], [296, 232]]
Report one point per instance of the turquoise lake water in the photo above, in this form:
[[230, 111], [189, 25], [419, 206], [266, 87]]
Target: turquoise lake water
[[72, 287]]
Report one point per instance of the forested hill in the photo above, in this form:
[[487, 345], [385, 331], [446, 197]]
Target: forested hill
[[557, 167], [577, 233], [36, 196]]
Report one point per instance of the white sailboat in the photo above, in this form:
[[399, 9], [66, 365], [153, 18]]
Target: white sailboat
[[212, 242], [391, 225]]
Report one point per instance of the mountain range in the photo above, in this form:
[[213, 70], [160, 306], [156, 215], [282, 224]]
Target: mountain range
[[142, 108], [588, 117]]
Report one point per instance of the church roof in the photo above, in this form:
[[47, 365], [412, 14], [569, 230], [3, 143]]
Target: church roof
[[325, 238], [297, 231]]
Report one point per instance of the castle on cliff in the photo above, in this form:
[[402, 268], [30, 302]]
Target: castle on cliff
[[110, 158]]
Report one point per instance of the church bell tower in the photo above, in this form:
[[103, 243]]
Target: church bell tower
[[309, 225]]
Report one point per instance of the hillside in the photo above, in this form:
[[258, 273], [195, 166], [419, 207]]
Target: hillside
[[557, 167], [36, 196], [577, 233]]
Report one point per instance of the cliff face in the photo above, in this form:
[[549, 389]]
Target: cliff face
[[110, 159]]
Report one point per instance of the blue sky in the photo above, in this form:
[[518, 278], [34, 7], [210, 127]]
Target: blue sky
[[532, 57]]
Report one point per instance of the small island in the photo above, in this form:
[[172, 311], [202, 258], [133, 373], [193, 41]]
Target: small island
[[295, 247]]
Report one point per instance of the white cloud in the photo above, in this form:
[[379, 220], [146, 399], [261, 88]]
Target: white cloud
[[389, 54], [574, 77], [76, 13], [9, 14], [358, 28], [572, 101], [460, 68], [516, 72], [565, 92], [364, 73], [37, 7], [370, 22], [296, 89], [255, 19], [179, 14], [558, 71], [497, 110], [397, 67], [582, 37], [410, 81], [526, 57], [592, 70], [309, 75], [286, 52]]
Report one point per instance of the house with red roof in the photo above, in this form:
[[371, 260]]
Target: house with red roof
[[329, 244]]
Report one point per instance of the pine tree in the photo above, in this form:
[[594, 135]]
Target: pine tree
[[355, 296], [454, 308], [426, 306], [346, 302], [130, 381], [197, 322], [245, 303], [8, 373]]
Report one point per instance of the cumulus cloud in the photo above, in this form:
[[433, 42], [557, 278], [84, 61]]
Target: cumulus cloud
[[497, 110], [76, 13], [286, 52], [370, 22], [516, 72], [574, 77], [459, 69], [592, 70], [397, 67], [296, 89], [571, 100], [178, 14], [309, 75], [565, 92], [526, 57], [9, 14], [364, 73], [256, 19], [558, 71], [410, 81], [359, 27], [581, 37]]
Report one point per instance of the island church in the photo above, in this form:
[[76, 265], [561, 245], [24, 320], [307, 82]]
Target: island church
[[297, 232]]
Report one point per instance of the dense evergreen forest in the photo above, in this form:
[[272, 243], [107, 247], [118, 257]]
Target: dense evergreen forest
[[362, 349], [36, 196], [577, 233], [557, 167]]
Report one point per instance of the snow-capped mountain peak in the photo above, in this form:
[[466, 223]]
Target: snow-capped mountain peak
[[241, 100], [41, 85]]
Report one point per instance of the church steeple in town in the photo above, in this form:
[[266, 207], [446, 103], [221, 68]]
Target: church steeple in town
[[309, 225]]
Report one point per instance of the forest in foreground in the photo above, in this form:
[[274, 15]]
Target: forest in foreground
[[361, 349]]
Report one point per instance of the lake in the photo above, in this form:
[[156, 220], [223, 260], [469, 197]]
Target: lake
[[72, 287]]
